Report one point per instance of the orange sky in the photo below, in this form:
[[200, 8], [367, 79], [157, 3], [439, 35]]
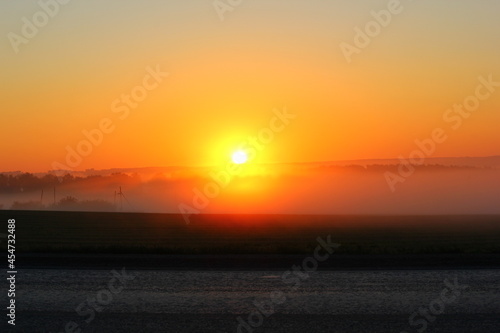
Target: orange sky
[[226, 78]]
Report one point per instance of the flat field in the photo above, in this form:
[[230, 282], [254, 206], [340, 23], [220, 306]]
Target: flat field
[[144, 233]]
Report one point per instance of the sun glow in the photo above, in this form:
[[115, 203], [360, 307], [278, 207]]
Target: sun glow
[[239, 157]]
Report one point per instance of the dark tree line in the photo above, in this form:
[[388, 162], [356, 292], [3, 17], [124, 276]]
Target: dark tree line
[[66, 203], [28, 182]]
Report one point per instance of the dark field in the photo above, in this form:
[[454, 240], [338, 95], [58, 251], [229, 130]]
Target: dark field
[[140, 233], [203, 276]]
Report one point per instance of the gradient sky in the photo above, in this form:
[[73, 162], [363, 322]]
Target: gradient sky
[[227, 76]]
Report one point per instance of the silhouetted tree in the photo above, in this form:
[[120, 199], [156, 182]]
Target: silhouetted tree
[[68, 201]]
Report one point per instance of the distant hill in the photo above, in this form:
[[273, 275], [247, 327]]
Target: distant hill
[[477, 162], [488, 161]]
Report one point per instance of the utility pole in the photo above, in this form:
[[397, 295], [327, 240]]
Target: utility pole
[[121, 199]]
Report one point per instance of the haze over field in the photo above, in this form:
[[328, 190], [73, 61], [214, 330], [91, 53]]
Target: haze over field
[[443, 186]]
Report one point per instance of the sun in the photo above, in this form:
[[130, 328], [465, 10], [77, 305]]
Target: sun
[[239, 157]]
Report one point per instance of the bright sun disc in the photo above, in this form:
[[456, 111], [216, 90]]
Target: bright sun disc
[[239, 157]]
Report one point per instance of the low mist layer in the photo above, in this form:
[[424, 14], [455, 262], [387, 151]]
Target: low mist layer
[[321, 188]]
